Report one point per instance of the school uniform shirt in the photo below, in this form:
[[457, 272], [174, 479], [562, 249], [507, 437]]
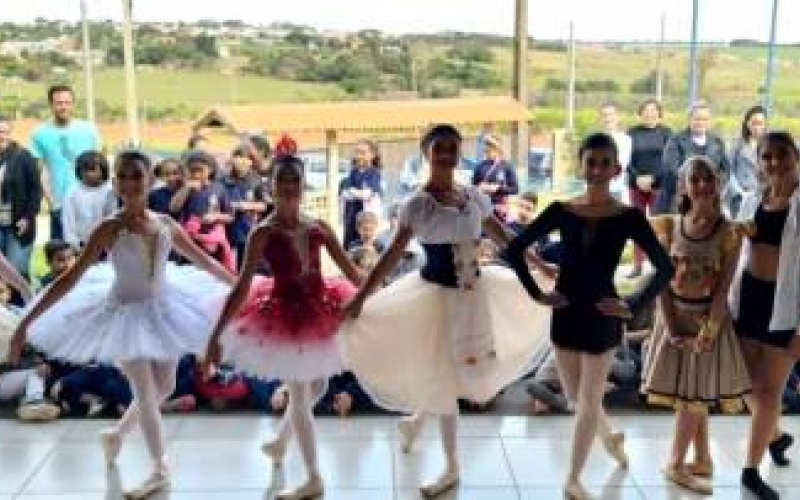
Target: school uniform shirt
[[239, 189], [159, 199], [202, 201]]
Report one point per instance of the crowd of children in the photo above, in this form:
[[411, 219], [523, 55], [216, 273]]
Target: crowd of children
[[139, 341]]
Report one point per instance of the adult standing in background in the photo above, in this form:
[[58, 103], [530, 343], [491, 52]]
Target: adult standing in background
[[57, 143], [609, 120], [744, 178], [695, 139], [20, 199], [648, 140], [362, 189], [495, 176]]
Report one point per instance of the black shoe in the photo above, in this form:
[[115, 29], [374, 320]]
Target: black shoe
[[751, 480], [777, 449]]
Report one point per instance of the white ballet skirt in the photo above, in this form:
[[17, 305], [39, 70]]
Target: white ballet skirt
[[134, 307], [420, 346]]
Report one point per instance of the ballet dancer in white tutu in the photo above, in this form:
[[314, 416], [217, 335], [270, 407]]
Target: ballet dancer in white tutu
[[452, 331], [143, 319]]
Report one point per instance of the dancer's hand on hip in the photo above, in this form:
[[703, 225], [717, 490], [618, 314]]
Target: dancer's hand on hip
[[611, 306]]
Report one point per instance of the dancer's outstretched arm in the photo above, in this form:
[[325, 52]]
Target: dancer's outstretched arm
[[254, 251], [189, 249], [10, 276], [101, 239]]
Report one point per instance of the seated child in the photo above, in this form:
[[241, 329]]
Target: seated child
[[25, 384], [367, 224], [60, 257], [91, 390], [344, 396]]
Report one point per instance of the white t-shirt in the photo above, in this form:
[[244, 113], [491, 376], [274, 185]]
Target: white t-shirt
[[84, 208]]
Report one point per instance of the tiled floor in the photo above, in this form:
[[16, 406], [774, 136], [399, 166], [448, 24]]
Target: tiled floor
[[217, 458]]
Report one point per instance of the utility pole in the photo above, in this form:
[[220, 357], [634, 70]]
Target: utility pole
[[660, 59], [520, 137], [570, 125], [773, 32], [130, 73], [88, 81], [693, 54]]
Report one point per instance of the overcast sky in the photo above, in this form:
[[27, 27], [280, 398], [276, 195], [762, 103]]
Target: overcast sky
[[594, 19]]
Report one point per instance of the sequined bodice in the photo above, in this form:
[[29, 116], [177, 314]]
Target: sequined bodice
[[140, 263], [294, 258]]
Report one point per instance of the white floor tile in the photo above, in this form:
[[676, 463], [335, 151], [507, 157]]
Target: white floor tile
[[19, 462]]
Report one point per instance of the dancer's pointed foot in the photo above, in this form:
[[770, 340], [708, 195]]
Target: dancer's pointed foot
[[683, 478], [409, 429], [154, 484], [615, 446], [574, 490], [445, 482], [312, 488], [111, 441], [751, 479], [777, 449], [275, 450]]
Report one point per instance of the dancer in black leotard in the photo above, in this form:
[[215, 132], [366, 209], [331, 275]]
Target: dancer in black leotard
[[588, 317]]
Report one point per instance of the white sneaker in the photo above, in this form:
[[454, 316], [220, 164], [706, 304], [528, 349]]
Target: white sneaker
[[38, 411]]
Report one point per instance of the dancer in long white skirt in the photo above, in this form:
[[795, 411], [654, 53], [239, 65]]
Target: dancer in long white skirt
[[144, 319], [452, 331]]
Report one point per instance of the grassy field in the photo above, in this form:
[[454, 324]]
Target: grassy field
[[158, 88]]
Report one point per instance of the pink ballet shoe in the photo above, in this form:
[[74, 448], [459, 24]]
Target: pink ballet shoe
[[313, 488], [615, 446], [275, 450], [574, 490], [154, 484], [442, 484], [111, 442]]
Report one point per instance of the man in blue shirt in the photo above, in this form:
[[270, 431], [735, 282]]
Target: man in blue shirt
[[57, 143]]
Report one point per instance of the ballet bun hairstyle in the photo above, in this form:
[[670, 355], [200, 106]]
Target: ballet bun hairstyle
[[702, 165], [287, 162], [437, 133], [598, 140]]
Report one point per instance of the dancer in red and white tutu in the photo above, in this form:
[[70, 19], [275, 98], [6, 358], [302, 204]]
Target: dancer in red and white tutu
[[284, 326]]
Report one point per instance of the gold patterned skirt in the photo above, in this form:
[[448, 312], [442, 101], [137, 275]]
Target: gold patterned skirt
[[682, 378]]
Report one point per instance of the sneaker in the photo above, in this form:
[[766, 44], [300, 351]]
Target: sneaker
[[38, 411]]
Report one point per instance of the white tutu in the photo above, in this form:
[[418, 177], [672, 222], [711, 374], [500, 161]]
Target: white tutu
[[300, 362], [91, 324], [401, 351]]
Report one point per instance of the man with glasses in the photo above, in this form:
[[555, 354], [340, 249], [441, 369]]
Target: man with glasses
[[57, 143]]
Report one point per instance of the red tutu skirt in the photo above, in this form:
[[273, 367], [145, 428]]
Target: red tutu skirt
[[300, 314], [289, 332]]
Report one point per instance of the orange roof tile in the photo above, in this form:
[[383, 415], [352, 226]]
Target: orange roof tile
[[362, 115]]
